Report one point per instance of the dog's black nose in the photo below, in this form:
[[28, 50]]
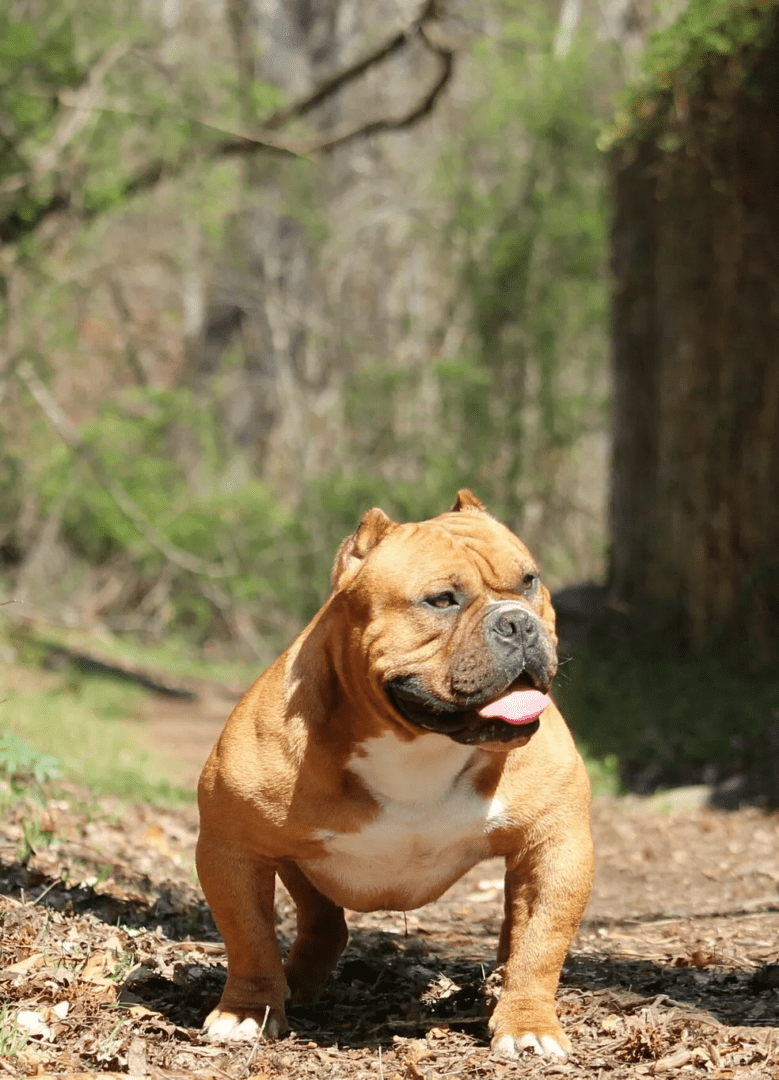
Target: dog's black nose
[[512, 623]]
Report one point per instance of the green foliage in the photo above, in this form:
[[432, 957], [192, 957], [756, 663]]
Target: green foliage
[[668, 719], [164, 450], [24, 772], [678, 58], [20, 762], [37, 60], [705, 29], [144, 112]]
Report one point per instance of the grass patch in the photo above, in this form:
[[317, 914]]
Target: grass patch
[[80, 723], [660, 721], [173, 655], [179, 657], [12, 1038]]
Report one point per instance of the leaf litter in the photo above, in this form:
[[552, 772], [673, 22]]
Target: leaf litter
[[109, 958]]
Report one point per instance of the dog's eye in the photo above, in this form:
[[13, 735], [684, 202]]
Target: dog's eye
[[441, 600], [529, 582]]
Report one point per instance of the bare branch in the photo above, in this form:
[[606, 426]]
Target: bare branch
[[348, 75], [246, 144], [374, 127], [264, 139]]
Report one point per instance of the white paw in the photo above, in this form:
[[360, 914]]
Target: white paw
[[228, 1028], [511, 1046]]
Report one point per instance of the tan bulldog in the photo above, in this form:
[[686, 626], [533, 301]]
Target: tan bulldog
[[405, 736]]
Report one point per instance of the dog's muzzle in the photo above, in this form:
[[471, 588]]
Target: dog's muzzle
[[516, 653]]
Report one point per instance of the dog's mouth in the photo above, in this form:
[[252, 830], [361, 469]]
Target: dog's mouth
[[510, 718]]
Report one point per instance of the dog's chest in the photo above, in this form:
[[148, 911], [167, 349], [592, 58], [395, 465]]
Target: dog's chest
[[431, 827]]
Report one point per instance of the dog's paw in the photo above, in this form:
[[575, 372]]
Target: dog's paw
[[511, 1046], [520, 1023], [224, 1026]]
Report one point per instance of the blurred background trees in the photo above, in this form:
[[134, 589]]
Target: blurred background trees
[[264, 266], [259, 312]]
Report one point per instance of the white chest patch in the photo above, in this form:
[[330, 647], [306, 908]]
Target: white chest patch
[[432, 826]]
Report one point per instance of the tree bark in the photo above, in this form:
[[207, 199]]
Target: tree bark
[[695, 494]]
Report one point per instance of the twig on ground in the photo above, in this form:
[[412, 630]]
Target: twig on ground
[[254, 1049]]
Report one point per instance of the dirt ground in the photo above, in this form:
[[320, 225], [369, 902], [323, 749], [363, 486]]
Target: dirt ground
[[109, 959]]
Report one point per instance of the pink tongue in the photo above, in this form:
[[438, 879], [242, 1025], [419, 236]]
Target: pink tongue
[[517, 708]]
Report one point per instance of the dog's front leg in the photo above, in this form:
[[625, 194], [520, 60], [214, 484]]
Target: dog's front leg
[[546, 892], [239, 887]]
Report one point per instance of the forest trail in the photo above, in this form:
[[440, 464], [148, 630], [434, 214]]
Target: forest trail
[[107, 941]]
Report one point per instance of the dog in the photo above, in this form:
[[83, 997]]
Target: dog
[[405, 736]]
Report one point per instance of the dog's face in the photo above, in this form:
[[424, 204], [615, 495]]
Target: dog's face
[[456, 628]]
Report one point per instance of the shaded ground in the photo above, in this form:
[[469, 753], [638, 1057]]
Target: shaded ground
[[106, 942]]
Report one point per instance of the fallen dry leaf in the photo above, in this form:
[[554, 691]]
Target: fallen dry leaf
[[94, 969], [672, 1061], [22, 966]]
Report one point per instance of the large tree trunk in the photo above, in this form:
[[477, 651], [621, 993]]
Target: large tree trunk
[[695, 497]]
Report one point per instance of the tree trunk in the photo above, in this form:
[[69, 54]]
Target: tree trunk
[[695, 495]]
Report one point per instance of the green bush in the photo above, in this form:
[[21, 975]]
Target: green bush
[[162, 450]]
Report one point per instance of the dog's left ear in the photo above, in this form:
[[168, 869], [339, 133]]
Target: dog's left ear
[[373, 527], [466, 500]]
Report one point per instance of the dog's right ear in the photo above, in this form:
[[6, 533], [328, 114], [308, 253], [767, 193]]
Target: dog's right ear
[[373, 527], [466, 500]]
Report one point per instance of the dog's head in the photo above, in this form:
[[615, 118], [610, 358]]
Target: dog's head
[[450, 622]]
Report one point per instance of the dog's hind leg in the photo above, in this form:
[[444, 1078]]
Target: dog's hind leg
[[321, 936]]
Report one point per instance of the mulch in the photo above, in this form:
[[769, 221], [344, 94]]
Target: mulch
[[109, 959]]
